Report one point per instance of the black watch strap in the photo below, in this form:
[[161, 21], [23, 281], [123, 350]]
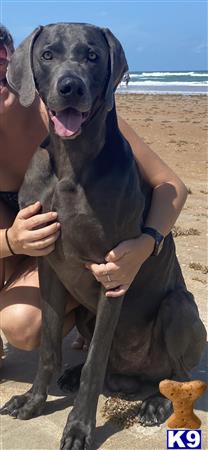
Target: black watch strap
[[158, 238]]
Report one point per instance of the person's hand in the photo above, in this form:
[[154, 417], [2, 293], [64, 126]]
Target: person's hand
[[122, 265], [25, 240]]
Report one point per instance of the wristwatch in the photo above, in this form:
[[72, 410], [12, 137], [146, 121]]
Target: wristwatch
[[159, 239]]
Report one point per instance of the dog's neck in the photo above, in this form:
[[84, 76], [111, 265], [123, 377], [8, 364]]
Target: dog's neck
[[75, 154]]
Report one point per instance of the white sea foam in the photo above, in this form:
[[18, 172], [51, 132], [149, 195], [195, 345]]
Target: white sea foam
[[164, 74], [189, 82], [167, 83], [135, 75]]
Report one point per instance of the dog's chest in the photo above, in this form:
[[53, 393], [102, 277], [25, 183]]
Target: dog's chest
[[96, 213], [82, 233]]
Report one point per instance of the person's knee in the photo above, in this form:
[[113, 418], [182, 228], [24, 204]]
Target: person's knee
[[21, 325]]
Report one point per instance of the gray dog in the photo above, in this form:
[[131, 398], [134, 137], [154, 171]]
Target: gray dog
[[87, 173]]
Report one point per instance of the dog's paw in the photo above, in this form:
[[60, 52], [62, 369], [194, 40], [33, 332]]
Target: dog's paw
[[154, 411], [70, 380], [78, 434], [24, 406]]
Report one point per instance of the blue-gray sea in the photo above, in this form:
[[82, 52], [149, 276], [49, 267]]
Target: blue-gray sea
[[187, 82]]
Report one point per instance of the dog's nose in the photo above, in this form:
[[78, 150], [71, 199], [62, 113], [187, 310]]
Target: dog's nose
[[68, 86]]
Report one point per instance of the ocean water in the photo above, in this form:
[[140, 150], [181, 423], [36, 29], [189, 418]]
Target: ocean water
[[187, 83]]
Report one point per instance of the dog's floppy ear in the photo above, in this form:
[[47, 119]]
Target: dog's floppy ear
[[118, 66], [19, 73]]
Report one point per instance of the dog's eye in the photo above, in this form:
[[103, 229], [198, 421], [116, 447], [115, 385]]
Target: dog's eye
[[92, 55], [47, 55]]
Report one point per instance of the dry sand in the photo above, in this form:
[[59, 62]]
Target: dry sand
[[176, 128]]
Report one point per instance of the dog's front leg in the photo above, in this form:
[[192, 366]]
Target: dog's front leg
[[80, 426], [53, 296]]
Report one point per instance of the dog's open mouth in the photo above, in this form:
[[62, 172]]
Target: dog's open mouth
[[67, 123]]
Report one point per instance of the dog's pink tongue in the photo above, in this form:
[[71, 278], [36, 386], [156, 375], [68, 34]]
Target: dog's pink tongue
[[67, 122]]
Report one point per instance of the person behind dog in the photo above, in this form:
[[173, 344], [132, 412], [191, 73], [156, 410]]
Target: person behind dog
[[21, 131]]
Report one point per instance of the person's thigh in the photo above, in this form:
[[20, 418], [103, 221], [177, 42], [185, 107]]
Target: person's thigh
[[20, 307]]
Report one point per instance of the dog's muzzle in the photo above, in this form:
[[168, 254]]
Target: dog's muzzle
[[71, 87], [68, 120]]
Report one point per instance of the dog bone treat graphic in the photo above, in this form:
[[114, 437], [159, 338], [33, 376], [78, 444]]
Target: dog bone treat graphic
[[182, 396]]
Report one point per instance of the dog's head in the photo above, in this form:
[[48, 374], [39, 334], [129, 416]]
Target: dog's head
[[74, 67]]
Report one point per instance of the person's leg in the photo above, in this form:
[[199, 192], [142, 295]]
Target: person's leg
[[20, 312], [6, 219], [20, 309]]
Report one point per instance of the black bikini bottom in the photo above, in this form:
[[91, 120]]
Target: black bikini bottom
[[11, 199]]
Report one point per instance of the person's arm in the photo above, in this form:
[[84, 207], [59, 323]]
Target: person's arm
[[169, 195], [169, 192], [4, 249]]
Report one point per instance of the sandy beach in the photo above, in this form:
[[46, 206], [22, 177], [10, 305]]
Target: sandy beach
[[175, 127]]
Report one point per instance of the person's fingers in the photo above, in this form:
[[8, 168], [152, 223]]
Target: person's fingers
[[44, 251], [116, 253], [29, 211], [107, 280], [121, 290], [102, 270], [98, 270], [40, 219], [43, 243], [111, 285], [44, 232]]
